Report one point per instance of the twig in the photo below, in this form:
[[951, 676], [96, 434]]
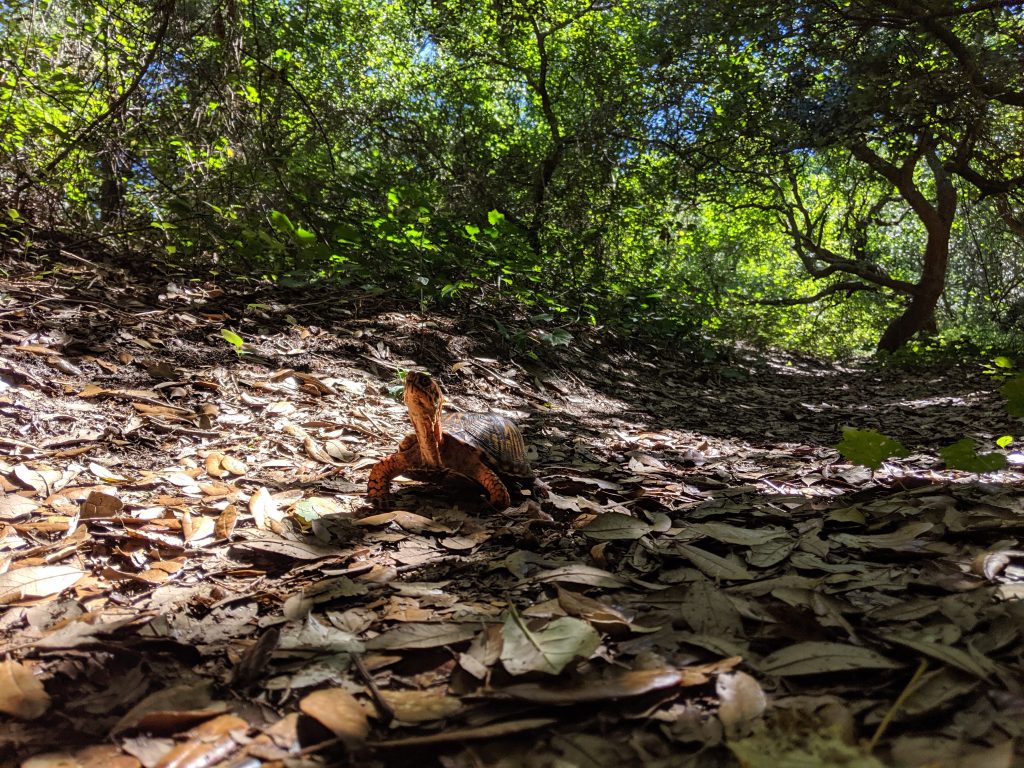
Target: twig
[[385, 712], [897, 705]]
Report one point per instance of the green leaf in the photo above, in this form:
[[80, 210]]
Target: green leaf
[[868, 447], [232, 338], [964, 455], [1003, 362], [556, 338], [282, 223], [548, 649], [1013, 391], [472, 230], [304, 236], [346, 233], [1004, 441], [495, 217]]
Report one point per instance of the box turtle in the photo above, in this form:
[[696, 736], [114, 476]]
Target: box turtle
[[484, 447]]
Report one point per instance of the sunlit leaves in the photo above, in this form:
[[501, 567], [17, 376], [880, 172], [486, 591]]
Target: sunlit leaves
[[868, 447], [964, 455], [233, 339], [1013, 392]]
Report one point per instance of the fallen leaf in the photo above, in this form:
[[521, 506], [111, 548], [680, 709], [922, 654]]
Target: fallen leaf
[[339, 712], [421, 636], [740, 700], [37, 581], [547, 649], [22, 694], [813, 658]]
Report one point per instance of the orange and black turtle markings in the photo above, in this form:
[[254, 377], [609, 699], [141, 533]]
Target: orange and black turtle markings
[[484, 447]]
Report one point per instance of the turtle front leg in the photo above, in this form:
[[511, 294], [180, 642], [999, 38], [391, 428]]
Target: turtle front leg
[[378, 487], [496, 489]]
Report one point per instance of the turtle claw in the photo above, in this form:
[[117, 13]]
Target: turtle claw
[[383, 503]]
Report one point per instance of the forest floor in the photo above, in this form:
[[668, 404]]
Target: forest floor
[[190, 574]]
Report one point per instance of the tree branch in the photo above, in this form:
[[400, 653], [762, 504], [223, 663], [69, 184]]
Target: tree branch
[[167, 6], [848, 286]]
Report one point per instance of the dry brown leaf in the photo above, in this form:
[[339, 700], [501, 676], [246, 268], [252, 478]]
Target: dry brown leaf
[[170, 709], [212, 465], [421, 636], [741, 700], [262, 508], [15, 507], [339, 712], [98, 756], [233, 465], [37, 581], [22, 694], [210, 743], [225, 525], [421, 706], [100, 504]]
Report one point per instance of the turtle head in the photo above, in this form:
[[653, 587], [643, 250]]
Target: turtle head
[[423, 398]]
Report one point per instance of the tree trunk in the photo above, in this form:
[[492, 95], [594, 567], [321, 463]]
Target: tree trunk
[[920, 312], [937, 219]]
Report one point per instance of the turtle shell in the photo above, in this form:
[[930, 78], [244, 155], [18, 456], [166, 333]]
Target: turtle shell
[[497, 438]]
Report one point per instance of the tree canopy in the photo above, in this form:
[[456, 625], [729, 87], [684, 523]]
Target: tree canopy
[[827, 175]]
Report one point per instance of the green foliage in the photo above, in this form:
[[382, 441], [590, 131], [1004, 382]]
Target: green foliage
[[233, 339], [660, 168], [868, 447], [964, 455], [1013, 392]]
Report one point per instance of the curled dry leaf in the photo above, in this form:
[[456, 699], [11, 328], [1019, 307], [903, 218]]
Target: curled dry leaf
[[741, 699], [315, 452], [213, 465], [22, 694], [234, 466], [263, 508], [105, 474], [339, 712], [225, 524]]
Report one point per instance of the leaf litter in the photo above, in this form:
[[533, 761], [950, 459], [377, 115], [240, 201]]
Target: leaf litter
[[189, 574]]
